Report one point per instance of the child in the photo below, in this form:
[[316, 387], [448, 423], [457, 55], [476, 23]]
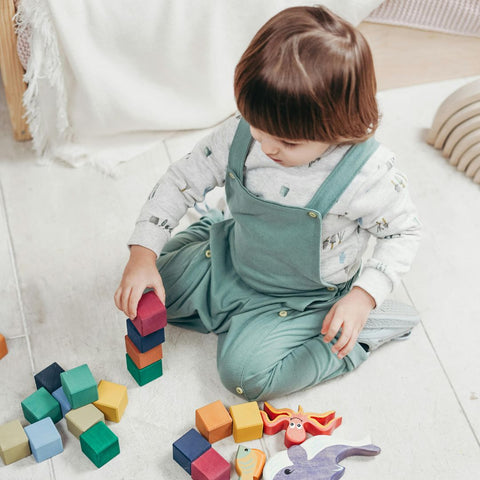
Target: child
[[279, 279]]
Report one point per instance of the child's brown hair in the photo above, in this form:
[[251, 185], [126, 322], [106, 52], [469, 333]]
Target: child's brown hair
[[308, 75]]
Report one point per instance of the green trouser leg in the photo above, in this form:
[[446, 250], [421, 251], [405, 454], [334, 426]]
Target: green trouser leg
[[265, 355]]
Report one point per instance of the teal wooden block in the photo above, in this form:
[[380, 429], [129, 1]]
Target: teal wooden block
[[144, 375], [79, 386], [99, 444], [41, 404], [44, 439]]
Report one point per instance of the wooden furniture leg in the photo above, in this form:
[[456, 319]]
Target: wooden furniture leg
[[12, 71]]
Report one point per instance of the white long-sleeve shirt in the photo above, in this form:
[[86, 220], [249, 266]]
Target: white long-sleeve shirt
[[375, 203]]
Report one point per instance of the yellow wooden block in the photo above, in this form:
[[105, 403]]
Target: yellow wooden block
[[112, 400], [247, 422]]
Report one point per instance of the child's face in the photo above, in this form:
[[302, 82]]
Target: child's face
[[288, 153]]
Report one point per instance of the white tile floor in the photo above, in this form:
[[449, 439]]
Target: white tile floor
[[62, 251]]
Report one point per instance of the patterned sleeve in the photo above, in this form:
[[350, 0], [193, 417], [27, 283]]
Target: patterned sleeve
[[383, 207], [185, 183]]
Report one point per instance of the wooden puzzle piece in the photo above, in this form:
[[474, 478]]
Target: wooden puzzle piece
[[249, 463], [316, 459], [297, 424]]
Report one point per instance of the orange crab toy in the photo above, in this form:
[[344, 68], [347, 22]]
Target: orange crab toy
[[297, 424]]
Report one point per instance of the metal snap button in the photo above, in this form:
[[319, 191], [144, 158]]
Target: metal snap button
[[239, 390], [283, 313], [331, 289], [208, 253], [312, 214], [231, 175]]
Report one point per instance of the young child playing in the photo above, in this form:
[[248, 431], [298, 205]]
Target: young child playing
[[279, 277]]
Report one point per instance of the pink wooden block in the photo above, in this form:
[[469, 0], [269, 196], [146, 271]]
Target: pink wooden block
[[210, 466], [151, 314]]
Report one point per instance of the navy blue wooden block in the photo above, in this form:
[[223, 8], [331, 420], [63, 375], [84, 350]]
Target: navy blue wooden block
[[49, 378], [147, 342], [188, 448]]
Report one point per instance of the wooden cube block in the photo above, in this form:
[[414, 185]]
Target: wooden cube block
[[13, 442], [61, 398], [3, 346], [112, 400], [99, 444], [144, 375], [247, 422], [140, 359], [81, 419], [213, 421], [79, 386], [151, 314], [45, 441], [188, 448], [147, 342], [49, 377], [210, 466], [41, 404]]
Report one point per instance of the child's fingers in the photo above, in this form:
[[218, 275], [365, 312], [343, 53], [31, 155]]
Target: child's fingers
[[327, 320], [348, 347], [333, 328], [133, 299], [343, 340]]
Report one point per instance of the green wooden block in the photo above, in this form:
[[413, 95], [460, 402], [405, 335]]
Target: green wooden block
[[79, 386], [99, 444], [144, 375], [40, 405], [13, 442], [81, 419]]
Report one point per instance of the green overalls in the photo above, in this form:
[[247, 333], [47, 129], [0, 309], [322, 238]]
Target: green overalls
[[255, 281]]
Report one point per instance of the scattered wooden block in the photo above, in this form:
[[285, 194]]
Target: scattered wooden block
[[213, 421], [3, 346], [249, 462], [151, 314], [140, 359], [147, 342], [81, 419], [39, 405], [45, 441], [247, 422], [112, 400], [210, 466], [188, 448], [49, 377], [99, 444], [79, 386], [13, 442], [62, 399], [144, 375]]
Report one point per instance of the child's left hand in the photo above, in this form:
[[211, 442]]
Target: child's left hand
[[349, 314]]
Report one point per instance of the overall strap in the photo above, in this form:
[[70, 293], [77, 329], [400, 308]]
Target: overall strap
[[342, 175], [239, 149]]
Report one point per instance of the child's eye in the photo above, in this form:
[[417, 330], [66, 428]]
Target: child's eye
[[289, 144]]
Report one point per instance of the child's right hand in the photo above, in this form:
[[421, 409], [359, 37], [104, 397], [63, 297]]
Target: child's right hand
[[140, 273]]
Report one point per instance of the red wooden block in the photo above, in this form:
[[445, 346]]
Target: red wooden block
[[151, 314], [210, 466]]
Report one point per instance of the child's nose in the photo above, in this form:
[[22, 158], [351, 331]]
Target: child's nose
[[270, 147]]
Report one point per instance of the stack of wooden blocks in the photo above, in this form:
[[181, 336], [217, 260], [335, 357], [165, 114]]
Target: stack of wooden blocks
[[143, 342], [86, 406], [193, 451]]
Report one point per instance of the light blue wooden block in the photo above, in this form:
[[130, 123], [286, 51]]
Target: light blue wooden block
[[62, 399], [45, 441]]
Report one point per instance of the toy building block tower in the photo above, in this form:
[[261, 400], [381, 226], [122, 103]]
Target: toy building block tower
[[143, 342]]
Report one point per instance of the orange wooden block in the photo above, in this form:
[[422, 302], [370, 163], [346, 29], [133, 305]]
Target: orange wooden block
[[140, 359], [3, 346], [213, 421]]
